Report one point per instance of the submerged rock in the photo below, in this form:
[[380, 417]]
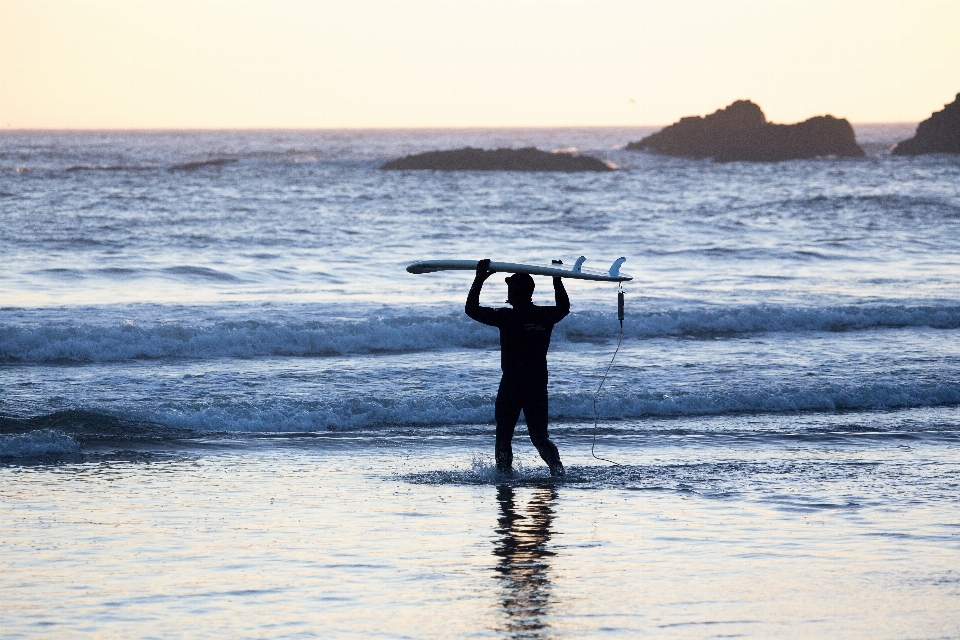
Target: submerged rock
[[471, 159], [741, 132], [940, 133]]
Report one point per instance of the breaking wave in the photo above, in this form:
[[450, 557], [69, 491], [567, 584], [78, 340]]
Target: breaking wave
[[38, 443], [434, 411], [350, 414], [247, 339]]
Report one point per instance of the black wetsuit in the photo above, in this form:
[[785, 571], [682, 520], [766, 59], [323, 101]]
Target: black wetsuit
[[524, 339]]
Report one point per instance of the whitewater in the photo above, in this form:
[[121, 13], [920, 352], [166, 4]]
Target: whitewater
[[185, 308]]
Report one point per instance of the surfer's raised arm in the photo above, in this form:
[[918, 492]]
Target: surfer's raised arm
[[563, 300], [473, 308]]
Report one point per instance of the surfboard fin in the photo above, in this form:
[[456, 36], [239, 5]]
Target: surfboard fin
[[615, 267], [578, 264]]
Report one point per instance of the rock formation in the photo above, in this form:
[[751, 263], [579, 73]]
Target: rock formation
[[741, 132], [470, 159], [940, 133]]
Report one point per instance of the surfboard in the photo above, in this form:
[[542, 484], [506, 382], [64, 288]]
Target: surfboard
[[556, 269]]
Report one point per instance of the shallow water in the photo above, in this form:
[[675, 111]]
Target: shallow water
[[401, 538], [226, 409]]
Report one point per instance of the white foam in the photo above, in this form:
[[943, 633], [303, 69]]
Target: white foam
[[349, 414], [868, 396], [43, 442], [250, 339]]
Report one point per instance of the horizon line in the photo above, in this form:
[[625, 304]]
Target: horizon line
[[374, 128]]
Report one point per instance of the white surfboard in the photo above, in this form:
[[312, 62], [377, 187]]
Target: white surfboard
[[556, 269]]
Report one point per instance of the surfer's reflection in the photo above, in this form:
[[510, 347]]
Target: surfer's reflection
[[523, 568]]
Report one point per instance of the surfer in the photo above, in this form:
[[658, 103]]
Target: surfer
[[524, 339]]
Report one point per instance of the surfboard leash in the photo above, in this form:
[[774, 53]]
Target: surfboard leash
[[596, 396]]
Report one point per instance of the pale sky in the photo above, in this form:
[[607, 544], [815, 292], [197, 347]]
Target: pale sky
[[468, 63]]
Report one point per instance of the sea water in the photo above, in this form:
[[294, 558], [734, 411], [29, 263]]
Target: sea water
[[227, 410]]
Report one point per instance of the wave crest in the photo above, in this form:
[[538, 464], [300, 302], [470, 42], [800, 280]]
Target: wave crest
[[250, 339], [35, 444], [346, 414]]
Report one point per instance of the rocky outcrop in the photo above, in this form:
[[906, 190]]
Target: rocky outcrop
[[741, 133], [470, 159], [940, 133]]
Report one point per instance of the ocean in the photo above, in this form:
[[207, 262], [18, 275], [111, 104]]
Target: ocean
[[226, 409]]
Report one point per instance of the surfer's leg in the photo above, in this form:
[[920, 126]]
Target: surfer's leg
[[507, 412], [535, 408]]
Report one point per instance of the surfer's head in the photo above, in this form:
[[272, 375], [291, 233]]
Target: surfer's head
[[519, 288]]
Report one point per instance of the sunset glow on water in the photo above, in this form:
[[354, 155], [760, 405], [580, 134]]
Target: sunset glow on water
[[228, 410]]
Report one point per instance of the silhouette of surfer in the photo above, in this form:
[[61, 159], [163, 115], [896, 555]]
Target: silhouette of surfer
[[524, 339]]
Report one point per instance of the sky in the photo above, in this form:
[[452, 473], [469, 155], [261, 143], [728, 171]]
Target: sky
[[119, 64]]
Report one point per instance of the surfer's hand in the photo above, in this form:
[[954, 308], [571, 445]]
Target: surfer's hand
[[483, 269]]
